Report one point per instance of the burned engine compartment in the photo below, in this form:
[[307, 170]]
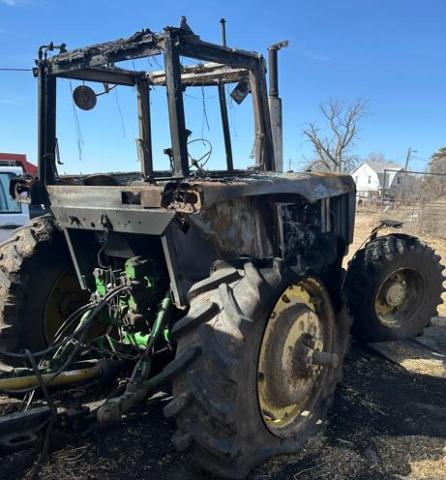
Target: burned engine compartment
[[306, 247]]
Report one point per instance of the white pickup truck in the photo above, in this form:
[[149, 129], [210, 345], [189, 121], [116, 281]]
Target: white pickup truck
[[12, 214]]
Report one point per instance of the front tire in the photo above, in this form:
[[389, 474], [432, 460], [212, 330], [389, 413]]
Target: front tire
[[393, 288], [222, 414], [38, 286]]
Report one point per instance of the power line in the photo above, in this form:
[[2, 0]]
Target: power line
[[4, 69]]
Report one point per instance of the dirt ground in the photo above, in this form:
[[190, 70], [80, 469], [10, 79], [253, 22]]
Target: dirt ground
[[386, 424]]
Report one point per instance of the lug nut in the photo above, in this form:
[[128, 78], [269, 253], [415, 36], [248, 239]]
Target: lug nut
[[325, 359]]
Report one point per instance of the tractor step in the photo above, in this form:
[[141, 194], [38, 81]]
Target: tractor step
[[18, 429]]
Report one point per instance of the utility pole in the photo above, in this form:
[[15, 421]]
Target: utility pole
[[406, 166], [409, 154]]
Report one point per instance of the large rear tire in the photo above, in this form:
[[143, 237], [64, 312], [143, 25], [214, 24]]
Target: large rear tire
[[38, 286], [237, 404], [393, 288]]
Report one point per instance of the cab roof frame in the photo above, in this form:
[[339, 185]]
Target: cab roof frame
[[97, 63]]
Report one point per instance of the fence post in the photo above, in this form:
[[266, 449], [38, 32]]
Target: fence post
[[383, 189]]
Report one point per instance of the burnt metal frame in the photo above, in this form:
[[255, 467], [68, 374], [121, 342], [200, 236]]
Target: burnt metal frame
[[96, 63]]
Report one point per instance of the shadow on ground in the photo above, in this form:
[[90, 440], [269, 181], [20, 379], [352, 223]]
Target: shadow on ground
[[386, 424]]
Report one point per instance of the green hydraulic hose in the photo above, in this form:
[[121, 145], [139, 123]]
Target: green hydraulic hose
[[159, 321]]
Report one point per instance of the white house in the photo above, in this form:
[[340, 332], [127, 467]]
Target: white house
[[372, 177]]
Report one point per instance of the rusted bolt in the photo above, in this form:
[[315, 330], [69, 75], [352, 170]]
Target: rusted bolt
[[286, 299]]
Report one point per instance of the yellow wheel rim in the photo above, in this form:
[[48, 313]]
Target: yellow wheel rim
[[401, 292], [64, 298], [294, 353]]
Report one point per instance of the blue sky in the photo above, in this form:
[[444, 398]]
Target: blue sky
[[390, 52]]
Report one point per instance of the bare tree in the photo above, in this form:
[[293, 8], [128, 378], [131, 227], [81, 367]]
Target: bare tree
[[434, 186], [376, 157], [333, 149]]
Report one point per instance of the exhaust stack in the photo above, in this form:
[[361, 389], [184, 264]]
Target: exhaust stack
[[224, 108], [275, 103]]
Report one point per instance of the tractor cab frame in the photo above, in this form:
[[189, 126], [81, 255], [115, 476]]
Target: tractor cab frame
[[97, 63], [227, 213]]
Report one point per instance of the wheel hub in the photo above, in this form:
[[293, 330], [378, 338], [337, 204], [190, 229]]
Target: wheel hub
[[399, 292], [296, 367], [64, 298], [396, 293], [292, 356], [301, 364]]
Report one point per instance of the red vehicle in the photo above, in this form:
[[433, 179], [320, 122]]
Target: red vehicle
[[19, 160]]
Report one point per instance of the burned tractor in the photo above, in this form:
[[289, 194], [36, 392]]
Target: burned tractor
[[224, 285]]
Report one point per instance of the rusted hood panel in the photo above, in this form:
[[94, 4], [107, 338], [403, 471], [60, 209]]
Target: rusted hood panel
[[312, 186], [193, 195]]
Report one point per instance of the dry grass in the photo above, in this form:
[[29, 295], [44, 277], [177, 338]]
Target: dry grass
[[74, 463], [426, 456], [331, 462]]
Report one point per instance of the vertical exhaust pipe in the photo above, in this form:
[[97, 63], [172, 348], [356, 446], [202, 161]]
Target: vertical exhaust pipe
[[224, 108], [223, 31], [275, 103]]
